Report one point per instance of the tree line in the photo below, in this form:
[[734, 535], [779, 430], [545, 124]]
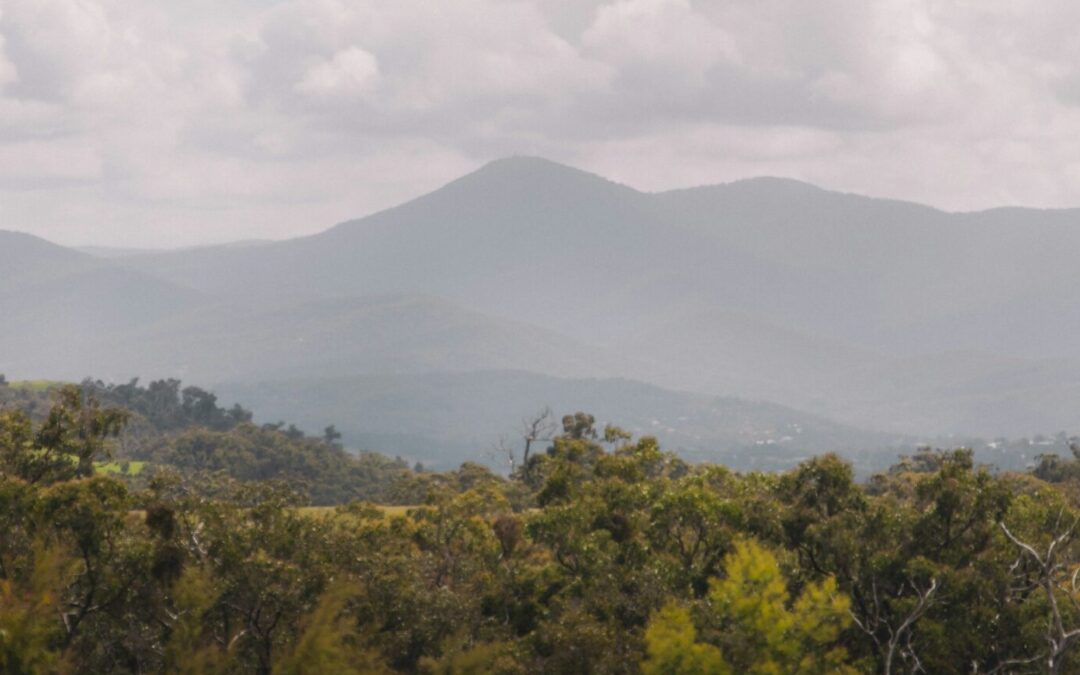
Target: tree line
[[600, 553]]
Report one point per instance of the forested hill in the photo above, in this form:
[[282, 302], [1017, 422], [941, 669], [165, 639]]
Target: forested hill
[[164, 426]]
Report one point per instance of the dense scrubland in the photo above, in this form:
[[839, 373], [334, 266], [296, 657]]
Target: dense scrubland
[[599, 553]]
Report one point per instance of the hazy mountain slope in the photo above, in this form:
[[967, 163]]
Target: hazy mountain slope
[[113, 252], [721, 351], [27, 260], [764, 287], [904, 276], [969, 393], [394, 334], [522, 238], [532, 240], [959, 391], [61, 327], [451, 417]]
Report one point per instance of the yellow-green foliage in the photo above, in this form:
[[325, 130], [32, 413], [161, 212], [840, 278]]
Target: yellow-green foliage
[[492, 658], [188, 651], [757, 627], [673, 649], [28, 626], [327, 643]]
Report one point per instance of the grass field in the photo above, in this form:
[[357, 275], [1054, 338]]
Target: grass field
[[388, 511], [33, 385], [118, 468], [313, 511]]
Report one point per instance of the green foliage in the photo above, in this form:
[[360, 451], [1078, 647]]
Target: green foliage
[[168, 407], [133, 431], [327, 473], [606, 555], [78, 427]]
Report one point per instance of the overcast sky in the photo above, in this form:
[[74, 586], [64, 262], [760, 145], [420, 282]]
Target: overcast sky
[[128, 122]]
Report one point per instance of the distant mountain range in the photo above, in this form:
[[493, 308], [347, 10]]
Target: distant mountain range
[[874, 313], [478, 414]]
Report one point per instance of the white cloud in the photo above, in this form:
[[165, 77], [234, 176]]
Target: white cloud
[[151, 116], [351, 72], [43, 164], [668, 37], [8, 73]]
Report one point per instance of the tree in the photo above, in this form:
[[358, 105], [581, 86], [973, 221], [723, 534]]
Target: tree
[[331, 436], [752, 625], [893, 636], [579, 425], [325, 645], [29, 631], [672, 647], [76, 432], [538, 428], [1057, 577]]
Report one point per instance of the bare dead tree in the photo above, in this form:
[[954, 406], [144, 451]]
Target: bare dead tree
[[538, 428], [893, 638], [1052, 576], [502, 451]]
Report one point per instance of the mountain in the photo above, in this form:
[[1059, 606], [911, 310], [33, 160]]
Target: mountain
[[535, 241], [112, 252], [445, 418], [213, 342], [877, 313], [766, 288], [518, 238], [898, 276], [59, 306], [26, 259]]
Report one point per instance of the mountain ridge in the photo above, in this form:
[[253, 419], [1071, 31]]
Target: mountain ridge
[[772, 287]]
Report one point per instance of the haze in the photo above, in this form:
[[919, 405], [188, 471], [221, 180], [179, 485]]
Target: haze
[[125, 123]]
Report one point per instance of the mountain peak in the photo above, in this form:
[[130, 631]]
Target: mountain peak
[[777, 183], [528, 164], [534, 173]]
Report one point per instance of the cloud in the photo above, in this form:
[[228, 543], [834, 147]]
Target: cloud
[[351, 72], [145, 117], [8, 73], [667, 38]]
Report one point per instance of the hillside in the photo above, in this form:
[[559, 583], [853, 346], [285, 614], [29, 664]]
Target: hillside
[[60, 308], [522, 237], [899, 276], [387, 334], [763, 288], [26, 260], [445, 418], [877, 313]]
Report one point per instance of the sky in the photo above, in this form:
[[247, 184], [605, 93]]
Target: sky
[[154, 124]]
